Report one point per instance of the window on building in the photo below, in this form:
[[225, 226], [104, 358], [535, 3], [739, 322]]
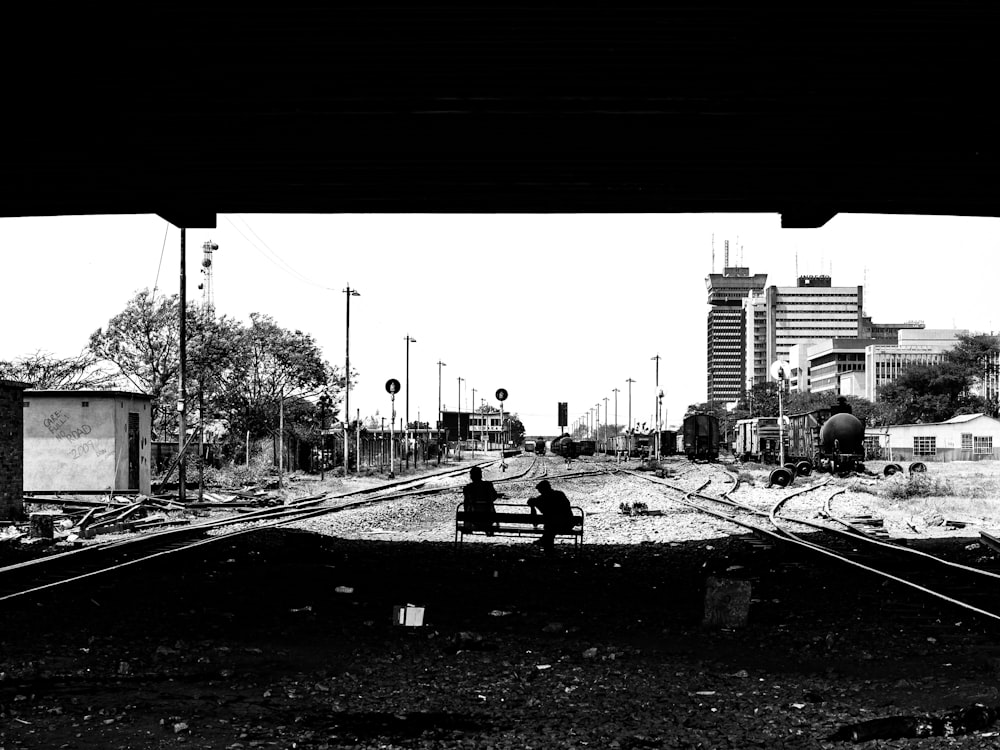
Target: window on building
[[25, 404], [966, 441], [983, 444], [84, 403], [924, 446]]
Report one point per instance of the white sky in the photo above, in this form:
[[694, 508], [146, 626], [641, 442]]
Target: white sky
[[557, 307]]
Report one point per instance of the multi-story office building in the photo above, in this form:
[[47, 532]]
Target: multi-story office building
[[810, 312], [886, 332], [928, 346], [726, 336]]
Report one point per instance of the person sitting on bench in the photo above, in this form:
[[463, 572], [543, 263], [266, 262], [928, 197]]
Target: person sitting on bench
[[479, 496], [557, 515]]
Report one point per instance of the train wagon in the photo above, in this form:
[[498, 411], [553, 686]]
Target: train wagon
[[586, 447], [529, 446], [757, 439], [701, 437], [825, 440]]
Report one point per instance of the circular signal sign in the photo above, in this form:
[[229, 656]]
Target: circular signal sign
[[392, 385], [501, 394], [780, 370]]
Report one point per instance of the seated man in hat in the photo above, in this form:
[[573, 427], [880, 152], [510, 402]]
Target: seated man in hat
[[557, 515], [479, 496]]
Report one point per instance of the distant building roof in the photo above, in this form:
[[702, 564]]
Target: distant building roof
[[85, 392], [14, 384]]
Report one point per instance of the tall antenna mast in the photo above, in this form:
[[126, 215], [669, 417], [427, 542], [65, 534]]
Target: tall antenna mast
[[207, 291], [727, 257], [713, 256]]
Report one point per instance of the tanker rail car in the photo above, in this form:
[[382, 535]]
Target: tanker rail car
[[822, 439], [701, 437]]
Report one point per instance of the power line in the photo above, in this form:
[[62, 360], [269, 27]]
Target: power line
[[277, 261], [156, 283]]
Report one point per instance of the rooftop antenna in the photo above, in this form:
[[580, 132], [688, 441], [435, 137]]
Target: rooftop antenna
[[724, 267], [713, 252], [796, 263]]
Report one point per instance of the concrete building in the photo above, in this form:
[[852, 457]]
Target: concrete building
[[11, 450], [810, 312], [830, 359], [726, 350], [929, 346], [86, 441], [755, 337], [968, 437], [886, 333]]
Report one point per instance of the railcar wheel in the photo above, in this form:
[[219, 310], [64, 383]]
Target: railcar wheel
[[781, 477], [891, 469], [918, 468], [791, 468], [803, 468]]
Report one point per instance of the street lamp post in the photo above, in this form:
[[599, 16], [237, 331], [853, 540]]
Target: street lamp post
[[458, 433], [605, 424], [406, 431], [440, 417], [615, 391], [347, 377]]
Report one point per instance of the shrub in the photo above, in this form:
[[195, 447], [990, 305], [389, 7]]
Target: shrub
[[901, 487]]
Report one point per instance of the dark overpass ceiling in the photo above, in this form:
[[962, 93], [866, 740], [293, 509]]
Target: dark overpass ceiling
[[699, 107]]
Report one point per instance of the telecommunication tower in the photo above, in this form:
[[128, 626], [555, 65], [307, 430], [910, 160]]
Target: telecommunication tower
[[207, 292]]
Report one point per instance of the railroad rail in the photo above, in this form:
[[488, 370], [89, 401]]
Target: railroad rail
[[971, 589], [99, 558]]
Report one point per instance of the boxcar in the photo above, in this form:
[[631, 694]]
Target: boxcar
[[701, 437], [757, 439], [586, 447], [529, 446]]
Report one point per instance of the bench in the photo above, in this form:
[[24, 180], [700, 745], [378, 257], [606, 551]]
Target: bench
[[513, 520]]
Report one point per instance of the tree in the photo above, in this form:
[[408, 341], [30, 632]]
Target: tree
[[515, 429], [929, 393], [143, 344], [270, 364], [977, 355], [45, 371]]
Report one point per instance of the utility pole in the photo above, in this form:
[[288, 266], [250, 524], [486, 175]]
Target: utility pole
[[656, 401], [347, 379], [470, 422], [181, 405], [630, 381]]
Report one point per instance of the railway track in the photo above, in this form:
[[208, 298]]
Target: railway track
[[972, 590], [85, 562]]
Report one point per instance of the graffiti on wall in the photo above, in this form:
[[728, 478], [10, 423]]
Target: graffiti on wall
[[56, 423]]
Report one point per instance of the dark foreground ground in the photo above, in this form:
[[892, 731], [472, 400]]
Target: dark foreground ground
[[286, 640]]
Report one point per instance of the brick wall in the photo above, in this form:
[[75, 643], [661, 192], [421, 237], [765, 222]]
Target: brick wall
[[11, 452]]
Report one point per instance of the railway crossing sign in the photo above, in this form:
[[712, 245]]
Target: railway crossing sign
[[501, 394], [392, 386]]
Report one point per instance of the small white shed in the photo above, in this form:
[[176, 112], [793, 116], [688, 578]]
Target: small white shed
[[968, 437]]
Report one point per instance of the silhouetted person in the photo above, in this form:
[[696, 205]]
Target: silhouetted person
[[841, 407], [479, 496], [557, 515]]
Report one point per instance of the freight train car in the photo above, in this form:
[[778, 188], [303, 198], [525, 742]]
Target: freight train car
[[757, 439], [822, 439], [586, 447], [701, 436], [529, 446]]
